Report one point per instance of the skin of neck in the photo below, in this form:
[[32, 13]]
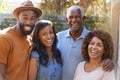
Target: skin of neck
[[76, 34], [95, 62]]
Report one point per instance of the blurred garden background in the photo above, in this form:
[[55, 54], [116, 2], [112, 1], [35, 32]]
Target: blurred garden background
[[99, 14]]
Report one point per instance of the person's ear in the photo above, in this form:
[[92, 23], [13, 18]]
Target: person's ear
[[83, 18], [66, 19]]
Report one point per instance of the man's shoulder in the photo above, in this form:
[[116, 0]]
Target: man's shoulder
[[5, 31], [84, 32], [6, 34], [62, 32], [85, 29]]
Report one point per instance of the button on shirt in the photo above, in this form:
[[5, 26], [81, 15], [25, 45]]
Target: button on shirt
[[53, 71], [71, 52]]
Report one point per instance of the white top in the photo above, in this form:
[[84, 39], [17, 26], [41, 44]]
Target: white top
[[97, 74]]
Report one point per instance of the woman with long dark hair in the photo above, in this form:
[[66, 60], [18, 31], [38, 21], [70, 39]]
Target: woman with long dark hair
[[45, 62]]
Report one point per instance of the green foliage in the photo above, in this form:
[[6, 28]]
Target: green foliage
[[55, 6], [97, 14], [8, 22], [95, 22], [58, 21], [90, 22]]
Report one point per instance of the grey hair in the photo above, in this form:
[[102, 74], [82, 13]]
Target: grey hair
[[75, 7]]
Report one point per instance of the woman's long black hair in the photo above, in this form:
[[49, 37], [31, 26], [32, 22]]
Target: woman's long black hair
[[40, 48]]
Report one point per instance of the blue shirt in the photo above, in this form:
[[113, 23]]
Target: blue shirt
[[71, 52], [53, 71]]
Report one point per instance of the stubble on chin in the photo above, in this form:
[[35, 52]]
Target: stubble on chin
[[25, 32]]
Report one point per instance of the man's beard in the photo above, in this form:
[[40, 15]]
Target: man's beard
[[25, 33]]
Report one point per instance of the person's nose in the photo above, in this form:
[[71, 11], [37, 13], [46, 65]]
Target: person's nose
[[73, 19], [94, 46], [48, 36], [28, 22]]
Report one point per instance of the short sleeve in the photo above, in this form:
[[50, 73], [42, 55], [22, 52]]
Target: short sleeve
[[4, 50], [35, 54]]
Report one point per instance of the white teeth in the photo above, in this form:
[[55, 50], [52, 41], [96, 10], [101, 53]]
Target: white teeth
[[27, 28], [93, 52], [49, 41]]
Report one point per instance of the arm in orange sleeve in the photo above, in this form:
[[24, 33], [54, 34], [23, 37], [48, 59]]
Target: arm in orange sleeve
[[4, 52], [4, 49]]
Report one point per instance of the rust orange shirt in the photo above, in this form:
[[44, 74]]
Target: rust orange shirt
[[14, 53]]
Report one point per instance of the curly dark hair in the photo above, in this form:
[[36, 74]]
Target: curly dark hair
[[40, 48], [105, 37]]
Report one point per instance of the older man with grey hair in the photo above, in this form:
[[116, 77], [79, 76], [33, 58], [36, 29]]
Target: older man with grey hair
[[70, 42]]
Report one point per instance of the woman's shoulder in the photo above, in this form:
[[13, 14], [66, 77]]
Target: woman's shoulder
[[34, 54], [82, 63]]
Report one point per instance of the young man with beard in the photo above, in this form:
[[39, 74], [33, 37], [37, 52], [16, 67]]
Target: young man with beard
[[15, 43]]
